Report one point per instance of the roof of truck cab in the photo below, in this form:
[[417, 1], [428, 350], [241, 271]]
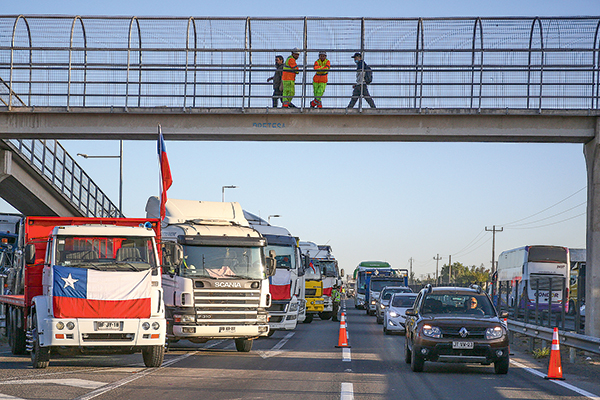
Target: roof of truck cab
[[206, 212]]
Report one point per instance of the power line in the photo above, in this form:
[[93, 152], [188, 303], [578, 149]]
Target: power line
[[545, 209], [554, 223], [551, 216]]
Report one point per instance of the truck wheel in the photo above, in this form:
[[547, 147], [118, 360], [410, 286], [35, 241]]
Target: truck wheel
[[243, 345], [16, 335], [40, 356], [308, 319], [153, 356], [271, 332], [325, 315], [572, 310]]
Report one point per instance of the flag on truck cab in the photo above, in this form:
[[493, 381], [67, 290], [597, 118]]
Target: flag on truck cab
[[165, 172], [280, 284], [88, 293]]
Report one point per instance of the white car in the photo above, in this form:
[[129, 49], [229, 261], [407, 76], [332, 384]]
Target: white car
[[393, 317]]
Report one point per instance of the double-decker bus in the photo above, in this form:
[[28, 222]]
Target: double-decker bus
[[530, 269]]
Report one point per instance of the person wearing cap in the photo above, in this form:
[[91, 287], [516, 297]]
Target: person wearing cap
[[290, 70], [277, 83], [322, 67], [360, 88]]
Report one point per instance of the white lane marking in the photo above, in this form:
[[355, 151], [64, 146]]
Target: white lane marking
[[124, 381], [347, 391], [7, 397], [561, 383], [82, 383], [346, 354], [277, 348]]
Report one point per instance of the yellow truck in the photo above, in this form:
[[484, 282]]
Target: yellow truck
[[315, 302]]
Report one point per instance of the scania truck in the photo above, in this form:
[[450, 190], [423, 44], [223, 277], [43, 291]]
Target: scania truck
[[288, 305], [83, 285], [220, 289]]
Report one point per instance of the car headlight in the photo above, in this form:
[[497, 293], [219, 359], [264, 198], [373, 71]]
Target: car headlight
[[373, 302], [494, 333], [382, 306], [393, 314], [432, 331]]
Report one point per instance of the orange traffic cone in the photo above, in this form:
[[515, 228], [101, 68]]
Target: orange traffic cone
[[343, 338], [554, 368]]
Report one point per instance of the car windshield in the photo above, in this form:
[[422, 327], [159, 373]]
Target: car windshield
[[106, 253], [220, 262], [463, 304], [403, 301], [387, 293]]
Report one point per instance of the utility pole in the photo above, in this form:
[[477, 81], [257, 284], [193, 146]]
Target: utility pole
[[493, 230], [410, 271], [449, 269], [437, 260]]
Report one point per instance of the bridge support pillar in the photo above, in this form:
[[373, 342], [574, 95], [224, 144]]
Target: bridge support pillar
[[592, 281]]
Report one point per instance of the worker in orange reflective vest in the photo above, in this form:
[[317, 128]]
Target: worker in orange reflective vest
[[290, 70], [322, 67]]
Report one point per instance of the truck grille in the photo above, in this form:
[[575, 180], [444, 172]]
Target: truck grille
[[107, 337], [310, 292], [226, 306]]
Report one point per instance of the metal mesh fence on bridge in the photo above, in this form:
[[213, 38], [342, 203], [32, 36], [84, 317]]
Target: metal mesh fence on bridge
[[186, 63]]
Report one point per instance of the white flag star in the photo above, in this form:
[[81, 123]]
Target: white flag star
[[69, 281]]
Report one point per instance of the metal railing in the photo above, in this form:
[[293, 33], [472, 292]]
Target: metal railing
[[185, 63], [58, 168]]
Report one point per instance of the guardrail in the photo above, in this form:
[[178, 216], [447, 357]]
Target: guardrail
[[181, 63], [570, 339], [58, 168]]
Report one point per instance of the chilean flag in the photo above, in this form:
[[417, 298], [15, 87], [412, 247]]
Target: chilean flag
[[88, 293], [280, 284], [165, 172]]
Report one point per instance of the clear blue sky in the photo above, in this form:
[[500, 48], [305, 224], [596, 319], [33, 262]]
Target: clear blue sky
[[369, 201]]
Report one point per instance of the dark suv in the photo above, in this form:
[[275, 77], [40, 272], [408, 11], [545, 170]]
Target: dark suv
[[451, 324]]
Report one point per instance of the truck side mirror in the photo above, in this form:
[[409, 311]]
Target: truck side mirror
[[172, 257], [271, 263], [342, 273], [30, 254]]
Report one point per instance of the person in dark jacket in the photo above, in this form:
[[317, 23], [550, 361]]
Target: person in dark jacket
[[277, 84], [360, 88]]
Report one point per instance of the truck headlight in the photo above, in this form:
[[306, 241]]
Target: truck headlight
[[70, 325], [494, 333], [146, 326], [60, 325], [293, 307], [155, 325], [184, 318], [432, 331]]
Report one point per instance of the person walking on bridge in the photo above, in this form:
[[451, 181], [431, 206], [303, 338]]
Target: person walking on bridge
[[322, 67], [277, 82], [290, 70], [364, 76]]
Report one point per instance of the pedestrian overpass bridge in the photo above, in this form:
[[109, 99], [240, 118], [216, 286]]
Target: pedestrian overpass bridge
[[435, 79]]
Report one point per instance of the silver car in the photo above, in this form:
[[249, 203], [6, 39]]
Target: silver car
[[384, 300], [394, 319]]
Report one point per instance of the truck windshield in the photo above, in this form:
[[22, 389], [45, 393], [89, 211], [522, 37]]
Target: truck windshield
[[284, 256], [223, 262], [377, 286], [328, 267], [106, 253], [313, 273]]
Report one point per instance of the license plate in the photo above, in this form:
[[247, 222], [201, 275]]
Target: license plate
[[462, 345], [108, 325]]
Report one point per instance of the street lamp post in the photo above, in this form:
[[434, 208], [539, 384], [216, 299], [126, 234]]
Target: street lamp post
[[223, 191], [274, 216], [120, 157]]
